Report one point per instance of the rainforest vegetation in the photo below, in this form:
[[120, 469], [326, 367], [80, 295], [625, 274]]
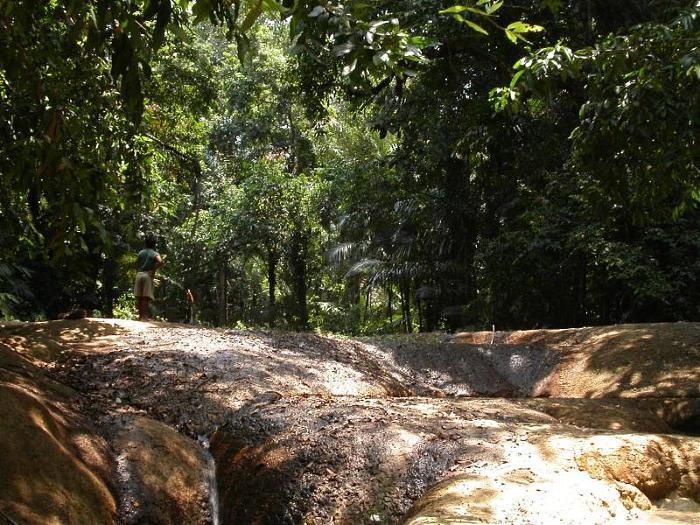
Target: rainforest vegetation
[[365, 167]]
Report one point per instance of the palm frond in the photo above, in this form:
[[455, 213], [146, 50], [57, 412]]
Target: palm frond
[[363, 266], [341, 252]]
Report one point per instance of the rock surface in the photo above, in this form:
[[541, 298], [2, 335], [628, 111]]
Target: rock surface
[[54, 468], [314, 429], [161, 474], [638, 360]]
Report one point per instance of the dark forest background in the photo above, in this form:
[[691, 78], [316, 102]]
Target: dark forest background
[[359, 168]]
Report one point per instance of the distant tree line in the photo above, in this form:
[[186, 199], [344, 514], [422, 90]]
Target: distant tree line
[[355, 168]]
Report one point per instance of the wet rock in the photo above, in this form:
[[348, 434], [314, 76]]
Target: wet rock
[[632, 497], [309, 459], [655, 465], [54, 467], [162, 475], [321, 429]]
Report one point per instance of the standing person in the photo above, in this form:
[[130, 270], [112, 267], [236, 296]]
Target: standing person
[[147, 262], [190, 305]]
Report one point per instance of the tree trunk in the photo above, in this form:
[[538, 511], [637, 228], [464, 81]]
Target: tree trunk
[[420, 314], [272, 259], [368, 298], [389, 309], [108, 280], [589, 22], [300, 292], [223, 293], [406, 305], [583, 294], [462, 220], [297, 263]]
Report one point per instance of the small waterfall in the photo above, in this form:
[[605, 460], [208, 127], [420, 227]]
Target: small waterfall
[[210, 481]]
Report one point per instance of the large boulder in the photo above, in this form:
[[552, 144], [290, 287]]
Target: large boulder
[[426, 460], [163, 475], [635, 361], [54, 467]]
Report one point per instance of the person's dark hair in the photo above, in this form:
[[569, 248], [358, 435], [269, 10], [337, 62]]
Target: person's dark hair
[[150, 241]]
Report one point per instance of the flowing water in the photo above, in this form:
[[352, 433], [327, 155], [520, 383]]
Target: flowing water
[[210, 480]]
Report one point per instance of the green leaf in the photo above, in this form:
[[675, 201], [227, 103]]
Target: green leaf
[[554, 6], [350, 67], [695, 70], [296, 49], [453, 9], [377, 23], [132, 93], [476, 27], [477, 11], [242, 46], [8, 298], [492, 8], [516, 77], [524, 27], [162, 20], [122, 55], [380, 58], [343, 49], [202, 10], [272, 6], [180, 32], [421, 41]]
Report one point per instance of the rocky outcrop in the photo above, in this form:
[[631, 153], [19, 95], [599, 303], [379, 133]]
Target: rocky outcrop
[[59, 467], [627, 361], [54, 466], [162, 474], [656, 465], [316, 429]]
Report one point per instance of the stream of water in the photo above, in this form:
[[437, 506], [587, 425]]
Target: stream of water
[[210, 480], [210, 477]]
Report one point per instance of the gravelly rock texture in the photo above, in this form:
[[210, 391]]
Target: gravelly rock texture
[[313, 429]]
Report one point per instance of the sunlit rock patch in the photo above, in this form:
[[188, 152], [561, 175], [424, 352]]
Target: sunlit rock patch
[[422, 460], [54, 467], [161, 474], [319, 429]]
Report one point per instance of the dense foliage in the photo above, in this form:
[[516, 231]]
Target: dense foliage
[[357, 168]]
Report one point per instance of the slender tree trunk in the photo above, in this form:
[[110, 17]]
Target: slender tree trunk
[[579, 307], [368, 296], [389, 309], [300, 292], [406, 305], [420, 314], [297, 263], [108, 279], [428, 303], [402, 298], [223, 293], [226, 318], [589, 21], [294, 150], [583, 293], [462, 220], [272, 259]]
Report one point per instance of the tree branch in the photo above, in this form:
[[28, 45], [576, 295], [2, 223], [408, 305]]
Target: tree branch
[[172, 149]]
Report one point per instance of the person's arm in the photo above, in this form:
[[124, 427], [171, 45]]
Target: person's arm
[[159, 264]]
